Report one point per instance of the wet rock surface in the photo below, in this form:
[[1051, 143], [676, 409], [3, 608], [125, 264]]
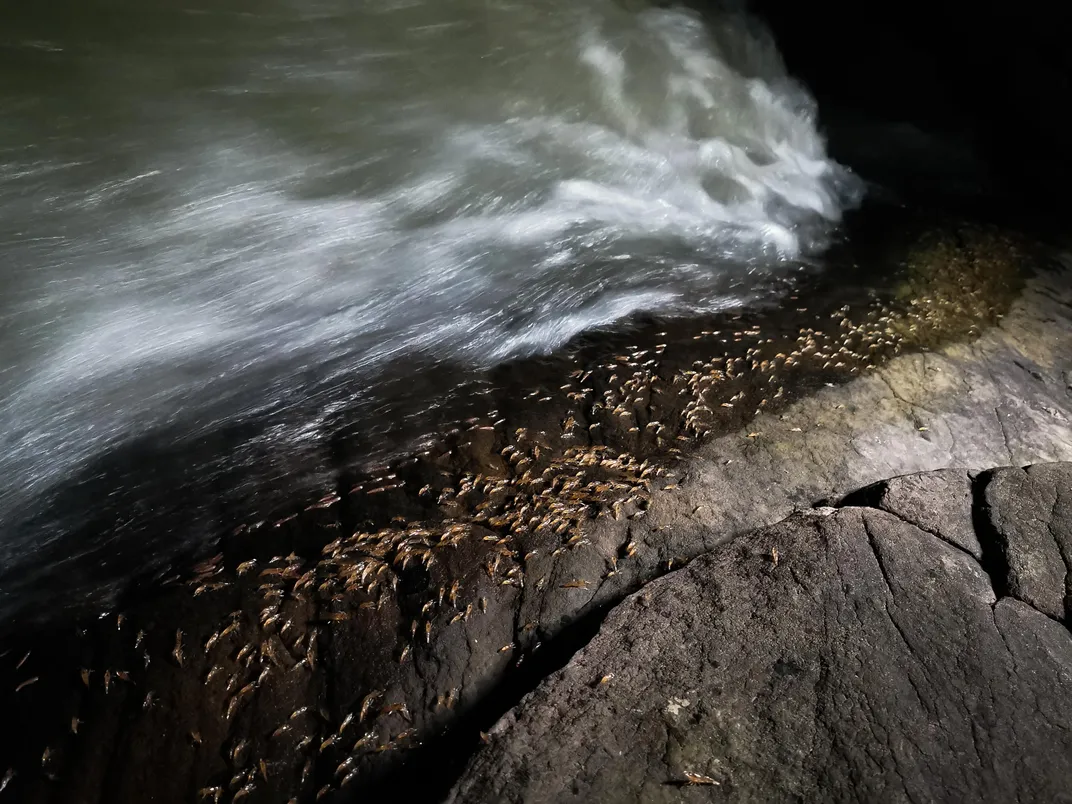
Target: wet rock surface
[[358, 643], [841, 655]]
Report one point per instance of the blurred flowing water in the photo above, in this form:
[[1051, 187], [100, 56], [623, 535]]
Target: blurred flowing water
[[218, 213]]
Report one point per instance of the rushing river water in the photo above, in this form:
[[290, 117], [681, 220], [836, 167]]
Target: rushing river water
[[213, 211]]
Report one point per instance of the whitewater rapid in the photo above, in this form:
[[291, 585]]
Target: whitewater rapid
[[211, 213]]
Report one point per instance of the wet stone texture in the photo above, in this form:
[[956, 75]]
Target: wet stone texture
[[841, 655], [939, 502], [1030, 514], [359, 644]]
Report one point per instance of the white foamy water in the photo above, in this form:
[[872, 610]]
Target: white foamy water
[[216, 211]]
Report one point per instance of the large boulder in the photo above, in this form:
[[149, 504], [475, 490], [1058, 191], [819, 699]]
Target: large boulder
[[841, 655]]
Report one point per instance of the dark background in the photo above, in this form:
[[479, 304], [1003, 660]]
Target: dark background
[[984, 88]]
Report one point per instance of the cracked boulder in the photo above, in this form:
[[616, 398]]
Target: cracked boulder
[[1029, 513], [850, 654], [939, 502]]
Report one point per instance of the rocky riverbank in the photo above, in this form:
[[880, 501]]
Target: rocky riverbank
[[361, 642], [913, 646]]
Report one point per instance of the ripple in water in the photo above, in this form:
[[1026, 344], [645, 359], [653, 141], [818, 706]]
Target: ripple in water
[[209, 214]]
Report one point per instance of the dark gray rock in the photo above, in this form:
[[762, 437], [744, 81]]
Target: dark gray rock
[[846, 656], [938, 502], [1030, 516]]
